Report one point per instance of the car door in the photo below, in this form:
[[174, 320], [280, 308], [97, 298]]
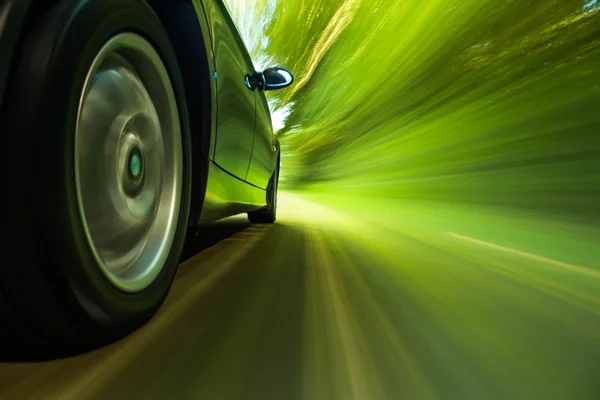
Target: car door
[[236, 101], [264, 153]]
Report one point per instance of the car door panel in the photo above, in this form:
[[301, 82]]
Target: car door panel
[[236, 102]]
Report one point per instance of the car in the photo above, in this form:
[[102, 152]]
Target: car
[[124, 125]]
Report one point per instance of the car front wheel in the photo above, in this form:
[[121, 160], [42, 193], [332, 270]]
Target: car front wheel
[[96, 175]]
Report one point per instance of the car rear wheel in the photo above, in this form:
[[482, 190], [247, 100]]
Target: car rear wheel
[[268, 215], [96, 154]]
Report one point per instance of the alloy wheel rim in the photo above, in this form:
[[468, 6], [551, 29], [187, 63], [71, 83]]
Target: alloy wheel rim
[[129, 162]]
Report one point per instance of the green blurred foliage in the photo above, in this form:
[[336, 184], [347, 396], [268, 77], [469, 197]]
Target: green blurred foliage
[[472, 101]]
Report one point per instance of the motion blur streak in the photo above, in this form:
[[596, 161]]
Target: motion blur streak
[[324, 305]]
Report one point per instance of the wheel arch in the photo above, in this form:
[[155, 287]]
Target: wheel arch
[[188, 31]]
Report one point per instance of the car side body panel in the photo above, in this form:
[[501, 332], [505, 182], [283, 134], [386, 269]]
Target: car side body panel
[[235, 101]]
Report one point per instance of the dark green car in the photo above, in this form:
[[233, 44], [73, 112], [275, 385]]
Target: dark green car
[[123, 124]]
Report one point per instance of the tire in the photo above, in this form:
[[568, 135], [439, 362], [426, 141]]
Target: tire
[[97, 177], [268, 215]]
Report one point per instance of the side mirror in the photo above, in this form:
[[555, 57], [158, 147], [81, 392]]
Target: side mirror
[[277, 78]]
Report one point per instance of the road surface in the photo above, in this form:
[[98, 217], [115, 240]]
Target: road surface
[[347, 300]]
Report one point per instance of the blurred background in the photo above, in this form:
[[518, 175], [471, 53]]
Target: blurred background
[[438, 234]]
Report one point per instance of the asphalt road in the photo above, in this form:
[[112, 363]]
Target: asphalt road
[[347, 300]]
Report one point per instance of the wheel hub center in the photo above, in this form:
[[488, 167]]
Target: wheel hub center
[[135, 164], [135, 169]]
